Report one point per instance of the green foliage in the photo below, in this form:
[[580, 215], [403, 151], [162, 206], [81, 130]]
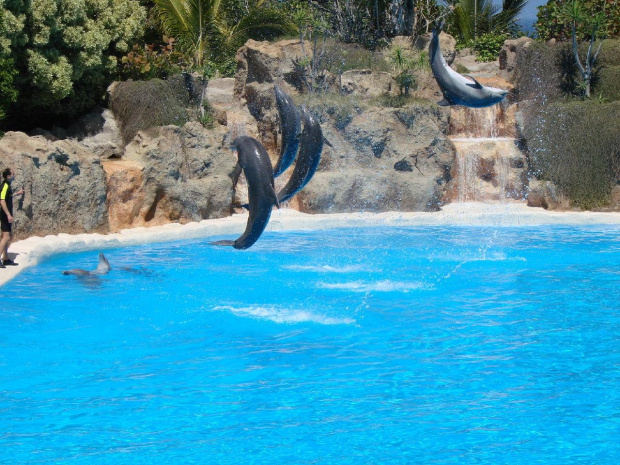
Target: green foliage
[[475, 18], [404, 64], [139, 105], [575, 145], [487, 46], [150, 61], [214, 30], [554, 20], [8, 92], [65, 52]]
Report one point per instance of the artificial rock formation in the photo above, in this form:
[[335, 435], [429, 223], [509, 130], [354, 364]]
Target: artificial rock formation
[[171, 174], [384, 159], [64, 186]]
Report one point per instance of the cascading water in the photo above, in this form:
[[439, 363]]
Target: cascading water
[[490, 166]]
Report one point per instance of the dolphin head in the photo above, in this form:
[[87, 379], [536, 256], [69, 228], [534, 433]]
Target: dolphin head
[[494, 94]]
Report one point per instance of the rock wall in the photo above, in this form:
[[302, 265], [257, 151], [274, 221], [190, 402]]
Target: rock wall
[[384, 159], [64, 183], [171, 174]]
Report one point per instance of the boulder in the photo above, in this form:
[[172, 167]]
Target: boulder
[[508, 55], [171, 174], [64, 183], [545, 194], [99, 133]]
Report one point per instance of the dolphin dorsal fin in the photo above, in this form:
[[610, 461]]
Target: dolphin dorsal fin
[[476, 84]]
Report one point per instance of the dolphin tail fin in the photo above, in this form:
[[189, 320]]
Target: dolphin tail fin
[[444, 103], [104, 266], [274, 198], [223, 243], [438, 26]]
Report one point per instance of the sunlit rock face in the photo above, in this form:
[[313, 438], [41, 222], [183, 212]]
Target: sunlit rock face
[[171, 174], [367, 83], [383, 159], [64, 186]]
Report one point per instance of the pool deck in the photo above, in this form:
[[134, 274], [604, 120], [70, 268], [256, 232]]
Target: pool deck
[[31, 251]]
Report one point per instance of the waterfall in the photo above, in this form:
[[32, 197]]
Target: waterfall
[[490, 166]]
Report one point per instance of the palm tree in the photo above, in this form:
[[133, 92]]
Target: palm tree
[[207, 27], [473, 18]]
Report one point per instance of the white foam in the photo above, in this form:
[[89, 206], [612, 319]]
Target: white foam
[[379, 286], [285, 315], [32, 250], [327, 268]]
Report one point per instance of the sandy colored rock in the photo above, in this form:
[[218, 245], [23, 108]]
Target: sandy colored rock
[[368, 84], [185, 176]]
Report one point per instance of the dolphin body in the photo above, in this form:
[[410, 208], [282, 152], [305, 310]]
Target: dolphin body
[[102, 268], [290, 126], [308, 159], [256, 165], [458, 89]]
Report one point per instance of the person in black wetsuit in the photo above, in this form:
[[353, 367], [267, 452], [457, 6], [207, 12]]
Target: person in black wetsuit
[[6, 215]]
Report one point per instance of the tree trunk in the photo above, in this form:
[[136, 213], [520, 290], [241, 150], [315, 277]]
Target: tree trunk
[[409, 16]]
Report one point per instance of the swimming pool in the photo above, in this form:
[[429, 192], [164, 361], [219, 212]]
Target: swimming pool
[[378, 345]]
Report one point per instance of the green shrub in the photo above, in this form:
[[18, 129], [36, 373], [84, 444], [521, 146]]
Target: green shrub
[[139, 105], [8, 92], [575, 144], [66, 53], [607, 84], [487, 46], [151, 61]]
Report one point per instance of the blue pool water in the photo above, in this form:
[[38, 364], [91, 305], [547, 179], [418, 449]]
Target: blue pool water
[[430, 345]]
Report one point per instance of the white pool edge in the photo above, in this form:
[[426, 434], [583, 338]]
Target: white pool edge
[[31, 251]]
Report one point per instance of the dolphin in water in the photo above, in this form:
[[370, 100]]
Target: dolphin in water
[[102, 268], [309, 156], [254, 160], [458, 89], [290, 126]]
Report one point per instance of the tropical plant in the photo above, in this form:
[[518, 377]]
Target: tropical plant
[[404, 63], [574, 12], [553, 22], [65, 53], [473, 18], [214, 29]]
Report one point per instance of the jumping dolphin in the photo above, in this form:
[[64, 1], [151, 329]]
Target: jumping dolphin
[[290, 126], [256, 165], [457, 89], [102, 268], [309, 156]]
